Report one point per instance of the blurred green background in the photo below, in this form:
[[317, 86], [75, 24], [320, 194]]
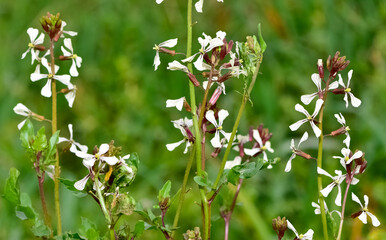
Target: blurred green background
[[120, 97]]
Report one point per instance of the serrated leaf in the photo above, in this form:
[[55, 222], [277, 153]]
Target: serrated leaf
[[248, 170], [40, 141], [165, 191], [27, 134], [11, 189], [39, 229]]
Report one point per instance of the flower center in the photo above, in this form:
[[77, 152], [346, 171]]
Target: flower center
[[347, 129], [346, 158], [74, 56], [347, 90], [309, 118], [156, 47], [219, 128], [263, 148], [31, 45], [50, 76], [202, 51], [365, 209], [97, 156], [301, 236]]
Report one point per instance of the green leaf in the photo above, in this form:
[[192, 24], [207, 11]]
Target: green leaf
[[69, 184], [139, 229], [40, 142], [248, 170], [263, 45], [151, 215], [11, 189], [88, 230], [203, 180], [39, 229], [25, 207], [332, 224], [51, 147], [165, 191], [233, 176], [134, 160], [27, 134]]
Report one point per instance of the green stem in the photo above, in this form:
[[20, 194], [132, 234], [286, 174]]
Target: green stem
[[236, 125], [319, 164], [112, 234], [54, 125], [183, 190], [343, 208], [102, 201]]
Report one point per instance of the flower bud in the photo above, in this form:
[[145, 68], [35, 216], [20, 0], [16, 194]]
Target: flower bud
[[339, 131], [320, 68], [193, 79], [279, 225], [215, 96], [167, 51], [303, 154]]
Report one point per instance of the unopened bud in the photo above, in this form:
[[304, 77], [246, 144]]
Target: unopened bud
[[357, 214], [187, 106], [279, 225], [320, 68], [339, 131], [303, 154], [215, 96], [339, 91], [167, 51], [328, 63], [361, 163], [193, 79]]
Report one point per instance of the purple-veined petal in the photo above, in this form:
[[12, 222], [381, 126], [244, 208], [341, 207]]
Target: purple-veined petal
[[349, 77], [325, 191], [209, 115], [226, 135], [21, 124], [37, 76], [215, 141], [157, 61], [355, 102], [301, 109], [345, 98], [110, 160], [222, 114], [32, 33], [304, 138], [198, 6], [73, 70], [178, 103], [81, 184], [172, 146], [323, 172], [290, 226], [306, 99], [340, 81], [296, 125], [65, 52], [189, 59], [256, 136], [317, 131], [68, 44], [169, 43], [46, 90], [308, 235], [103, 149], [289, 164], [231, 164], [251, 152], [338, 199], [356, 199], [21, 109], [374, 219], [333, 85], [318, 105], [40, 39], [65, 79], [175, 65], [363, 217], [366, 198]]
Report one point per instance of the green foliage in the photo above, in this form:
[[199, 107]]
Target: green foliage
[[11, 190], [88, 230], [164, 193], [203, 180]]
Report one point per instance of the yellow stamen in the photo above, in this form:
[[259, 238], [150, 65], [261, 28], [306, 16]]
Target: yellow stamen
[[50, 75], [108, 174], [219, 128], [97, 156], [74, 56], [347, 129], [346, 159], [264, 148], [31, 45], [347, 90], [156, 47], [309, 118]]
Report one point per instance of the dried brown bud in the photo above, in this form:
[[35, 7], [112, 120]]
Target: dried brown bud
[[279, 225]]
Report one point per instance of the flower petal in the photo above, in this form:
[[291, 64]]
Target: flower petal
[[363, 217], [356, 199], [81, 184], [301, 109], [172, 146], [338, 199], [215, 141], [103, 148], [306, 99], [178, 103], [73, 70], [251, 152], [110, 160], [256, 136], [290, 226], [21, 124], [169, 43], [198, 6], [46, 90], [21, 109], [325, 191], [157, 61], [288, 166], [317, 131], [222, 114], [374, 219], [231, 164], [355, 102], [65, 79], [32, 33], [209, 115], [304, 138], [296, 125], [323, 172], [318, 105]]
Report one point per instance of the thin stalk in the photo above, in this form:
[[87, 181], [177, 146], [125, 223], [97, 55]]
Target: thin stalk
[[183, 190], [227, 217], [112, 234], [236, 125], [54, 125], [319, 164], [102, 203], [343, 209]]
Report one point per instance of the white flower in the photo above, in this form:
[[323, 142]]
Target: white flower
[[295, 150], [355, 102], [80, 185], [318, 211], [261, 148], [307, 236], [46, 90], [365, 211], [35, 40], [342, 121], [76, 60], [175, 65], [90, 159], [159, 1], [346, 159], [183, 125], [309, 118], [222, 114], [71, 33], [336, 181], [22, 110], [71, 93], [220, 85], [231, 164], [169, 44], [177, 103], [207, 44], [74, 145], [306, 99]]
